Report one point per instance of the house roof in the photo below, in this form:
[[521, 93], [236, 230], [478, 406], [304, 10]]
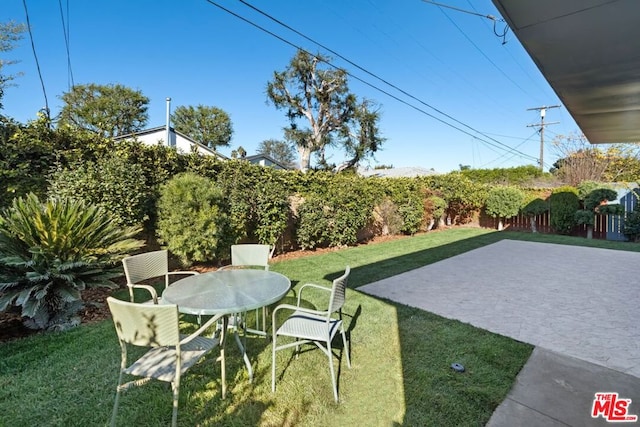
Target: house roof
[[589, 52], [407, 172], [260, 156], [163, 129]]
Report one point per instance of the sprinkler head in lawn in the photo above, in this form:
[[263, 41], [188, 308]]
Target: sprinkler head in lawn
[[457, 367]]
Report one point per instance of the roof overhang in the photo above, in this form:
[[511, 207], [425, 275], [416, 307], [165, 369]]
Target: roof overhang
[[589, 52]]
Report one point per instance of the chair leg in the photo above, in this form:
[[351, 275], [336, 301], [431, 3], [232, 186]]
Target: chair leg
[[223, 363], [273, 363], [346, 348], [331, 370], [114, 413], [176, 391]]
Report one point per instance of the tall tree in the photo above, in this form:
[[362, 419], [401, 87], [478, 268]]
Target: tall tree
[[107, 110], [278, 150], [581, 161], [10, 33], [319, 95], [210, 126]]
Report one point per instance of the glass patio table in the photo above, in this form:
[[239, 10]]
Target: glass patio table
[[227, 292]]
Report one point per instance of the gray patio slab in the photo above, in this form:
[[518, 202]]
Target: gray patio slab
[[575, 301], [557, 390]]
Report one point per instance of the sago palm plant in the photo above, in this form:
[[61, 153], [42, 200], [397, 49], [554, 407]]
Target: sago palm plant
[[50, 251]]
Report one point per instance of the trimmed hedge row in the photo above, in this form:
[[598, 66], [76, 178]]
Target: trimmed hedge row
[[244, 202]]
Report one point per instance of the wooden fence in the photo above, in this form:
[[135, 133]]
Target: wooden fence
[[608, 227]]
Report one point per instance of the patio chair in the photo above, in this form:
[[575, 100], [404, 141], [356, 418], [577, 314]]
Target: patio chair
[[313, 326], [145, 266], [171, 353], [250, 256]]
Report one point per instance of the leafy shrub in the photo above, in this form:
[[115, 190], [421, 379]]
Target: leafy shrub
[[463, 196], [504, 202], [411, 211], [434, 210], [533, 208], [336, 215], [272, 212], [258, 200], [111, 182], [596, 202], [313, 224], [159, 164], [632, 224], [504, 176], [192, 219], [563, 205], [389, 218], [51, 251]]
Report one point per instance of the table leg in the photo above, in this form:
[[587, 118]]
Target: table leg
[[243, 350]]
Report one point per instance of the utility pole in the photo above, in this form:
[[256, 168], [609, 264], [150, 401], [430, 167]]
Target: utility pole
[[542, 124]]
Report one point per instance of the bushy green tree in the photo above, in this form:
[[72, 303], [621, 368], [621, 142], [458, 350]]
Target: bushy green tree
[[207, 125], [504, 202], [51, 251], [281, 151], [107, 110], [595, 202], [563, 205], [193, 222], [533, 208]]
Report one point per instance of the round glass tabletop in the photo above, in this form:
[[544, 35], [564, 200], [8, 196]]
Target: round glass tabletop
[[226, 291]]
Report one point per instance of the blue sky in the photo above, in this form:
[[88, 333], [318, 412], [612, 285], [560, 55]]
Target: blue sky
[[427, 58]]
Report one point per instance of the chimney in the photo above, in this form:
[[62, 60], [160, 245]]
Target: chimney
[[168, 122]]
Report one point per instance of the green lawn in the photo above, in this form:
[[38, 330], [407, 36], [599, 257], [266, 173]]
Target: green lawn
[[400, 373]]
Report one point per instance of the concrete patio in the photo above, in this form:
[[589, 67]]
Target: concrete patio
[[579, 306]]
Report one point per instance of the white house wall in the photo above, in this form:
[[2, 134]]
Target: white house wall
[[182, 144]]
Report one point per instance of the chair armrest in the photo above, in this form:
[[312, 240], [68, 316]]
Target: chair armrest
[[201, 329], [311, 285], [183, 272], [149, 288], [294, 308]]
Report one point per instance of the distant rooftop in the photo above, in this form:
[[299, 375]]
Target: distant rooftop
[[406, 172]]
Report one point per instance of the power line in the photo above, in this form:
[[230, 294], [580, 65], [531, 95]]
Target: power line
[[369, 73], [482, 52], [495, 20], [505, 154], [65, 30], [491, 17], [33, 48]]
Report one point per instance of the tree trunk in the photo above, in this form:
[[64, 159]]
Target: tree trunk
[[305, 158], [589, 231], [500, 226], [432, 222], [534, 229]]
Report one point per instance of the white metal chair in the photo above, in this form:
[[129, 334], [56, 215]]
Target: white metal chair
[[313, 326], [148, 265], [171, 354], [251, 256]]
